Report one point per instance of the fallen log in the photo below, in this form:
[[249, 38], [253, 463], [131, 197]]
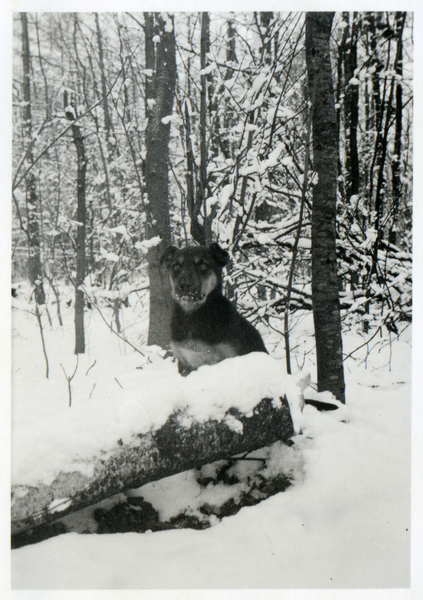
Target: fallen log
[[166, 451]]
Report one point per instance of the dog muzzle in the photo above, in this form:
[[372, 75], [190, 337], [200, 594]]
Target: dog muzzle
[[189, 301]]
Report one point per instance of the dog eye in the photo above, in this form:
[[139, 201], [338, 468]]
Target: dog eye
[[176, 267], [204, 268]]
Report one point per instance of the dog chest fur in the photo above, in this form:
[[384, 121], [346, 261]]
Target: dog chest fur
[[196, 353]]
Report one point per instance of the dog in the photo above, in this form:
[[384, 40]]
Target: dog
[[205, 326]]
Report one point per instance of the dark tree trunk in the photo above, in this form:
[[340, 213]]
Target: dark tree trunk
[[265, 19], [228, 118], [340, 108], [396, 162], [105, 103], [197, 178], [377, 107], [199, 231], [351, 112], [205, 48], [33, 228], [169, 450], [325, 290], [160, 91], [81, 217]]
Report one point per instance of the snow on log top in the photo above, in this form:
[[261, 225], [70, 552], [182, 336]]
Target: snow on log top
[[217, 412], [50, 438]]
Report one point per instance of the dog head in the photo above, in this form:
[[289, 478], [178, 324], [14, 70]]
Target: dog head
[[195, 271]]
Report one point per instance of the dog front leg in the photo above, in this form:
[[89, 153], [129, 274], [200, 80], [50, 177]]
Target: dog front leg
[[184, 369]]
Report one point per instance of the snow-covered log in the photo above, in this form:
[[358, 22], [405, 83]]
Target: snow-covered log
[[171, 449]]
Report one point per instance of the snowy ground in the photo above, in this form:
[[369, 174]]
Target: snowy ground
[[344, 523]]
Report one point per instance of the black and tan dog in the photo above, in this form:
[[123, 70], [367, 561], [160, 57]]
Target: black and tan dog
[[205, 326]]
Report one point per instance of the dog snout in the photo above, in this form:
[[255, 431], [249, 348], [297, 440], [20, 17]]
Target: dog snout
[[186, 283]]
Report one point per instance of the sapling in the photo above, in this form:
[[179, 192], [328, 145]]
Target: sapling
[[69, 379], [120, 335], [38, 314]]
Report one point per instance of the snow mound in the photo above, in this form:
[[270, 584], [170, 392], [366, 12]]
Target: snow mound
[[50, 436]]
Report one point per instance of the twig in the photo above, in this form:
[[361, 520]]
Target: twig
[[121, 337], [37, 312], [69, 379], [244, 225], [365, 343], [90, 367]]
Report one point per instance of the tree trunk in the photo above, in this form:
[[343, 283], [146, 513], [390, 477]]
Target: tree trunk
[[160, 90], [81, 217], [325, 290], [33, 229], [197, 197], [169, 450], [229, 118], [105, 103], [396, 162], [377, 108], [351, 112], [205, 48], [266, 50]]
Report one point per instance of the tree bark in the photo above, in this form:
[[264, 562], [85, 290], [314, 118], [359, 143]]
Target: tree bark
[[160, 90], [197, 196], [81, 217], [169, 450], [205, 48], [351, 112], [325, 287]]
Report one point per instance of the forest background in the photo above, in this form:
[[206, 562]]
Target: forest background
[[132, 132]]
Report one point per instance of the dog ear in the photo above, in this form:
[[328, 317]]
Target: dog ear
[[219, 255], [168, 255]]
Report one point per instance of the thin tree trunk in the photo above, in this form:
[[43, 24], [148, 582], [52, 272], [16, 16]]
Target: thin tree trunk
[[193, 209], [106, 160], [160, 91], [81, 217], [377, 108], [107, 119], [351, 112], [201, 231], [33, 229], [340, 100], [228, 117], [325, 290], [266, 50], [396, 162]]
